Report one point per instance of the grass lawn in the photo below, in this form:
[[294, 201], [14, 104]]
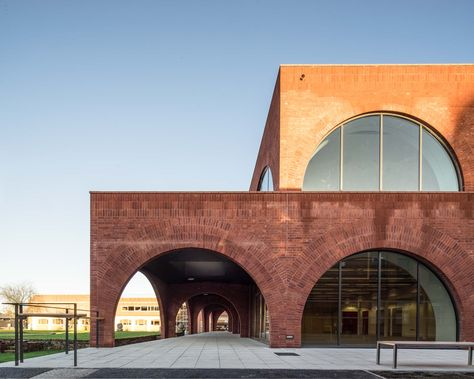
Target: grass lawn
[[6, 357], [60, 335]]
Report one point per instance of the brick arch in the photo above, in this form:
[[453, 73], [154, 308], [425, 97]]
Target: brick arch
[[199, 302], [161, 238], [424, 243], [217, 311], [213, 235], [234, 294], [309, 148]]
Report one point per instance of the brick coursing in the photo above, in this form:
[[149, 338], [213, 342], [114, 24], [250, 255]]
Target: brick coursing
[[284, 240], [287, 240]]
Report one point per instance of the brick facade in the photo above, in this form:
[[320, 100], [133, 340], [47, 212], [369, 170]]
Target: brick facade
[[309, 101], [287, 240]]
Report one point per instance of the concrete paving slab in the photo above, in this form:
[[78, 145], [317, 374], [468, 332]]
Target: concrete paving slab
[[224, 350]]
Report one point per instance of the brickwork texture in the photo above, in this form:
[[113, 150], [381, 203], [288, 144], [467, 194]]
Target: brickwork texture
[[286, 240]]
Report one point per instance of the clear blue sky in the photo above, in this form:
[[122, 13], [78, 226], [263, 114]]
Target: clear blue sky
[[164, 95]]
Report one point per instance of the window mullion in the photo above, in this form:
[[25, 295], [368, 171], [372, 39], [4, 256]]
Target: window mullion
[[420, 157], [341, 158], [381, 153]]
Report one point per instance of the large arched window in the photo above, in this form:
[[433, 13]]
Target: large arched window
[[381, 152], [378, 295], [266, 180]]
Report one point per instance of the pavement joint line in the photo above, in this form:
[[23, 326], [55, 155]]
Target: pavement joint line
[[374, 374]]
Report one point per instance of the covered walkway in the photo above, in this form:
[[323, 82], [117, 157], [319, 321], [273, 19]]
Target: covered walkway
[[224, 350]]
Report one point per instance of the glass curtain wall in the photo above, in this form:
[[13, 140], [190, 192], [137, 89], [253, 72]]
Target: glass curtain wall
[[320, 317], [378, 295], [381, 152]]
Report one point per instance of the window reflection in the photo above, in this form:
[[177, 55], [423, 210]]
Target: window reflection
[[361, 154], [323, 172], [381, 152], [401, 150], [266, 181], [439, 173], [378, 295]]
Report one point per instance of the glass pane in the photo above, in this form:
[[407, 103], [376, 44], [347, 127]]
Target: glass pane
[[320, 312], [439, 173], [400, 154], [322, 173], [359, 299], [437, 316], [267, 324], [266, 183], [398, 297], [361, 140]]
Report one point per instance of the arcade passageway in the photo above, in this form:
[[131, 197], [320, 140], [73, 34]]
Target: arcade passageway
[[204, 285]]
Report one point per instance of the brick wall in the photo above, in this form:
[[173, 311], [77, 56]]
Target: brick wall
[[285, 241], [310, 101]]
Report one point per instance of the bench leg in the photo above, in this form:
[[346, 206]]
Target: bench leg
[[395, 351], [378, 354], [469, 357]]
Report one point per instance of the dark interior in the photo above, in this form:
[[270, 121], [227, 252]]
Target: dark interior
[[197, 265]]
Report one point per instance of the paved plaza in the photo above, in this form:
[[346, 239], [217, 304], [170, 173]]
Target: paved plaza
[[222, 350]]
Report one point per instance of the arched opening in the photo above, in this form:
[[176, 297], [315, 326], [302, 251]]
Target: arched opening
[[378, 295], [181, 275], [138, 312], [382, 152], [266, 180], [206, 310], [182, 319], [222, 324]]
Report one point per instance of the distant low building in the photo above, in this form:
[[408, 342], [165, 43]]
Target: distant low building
[[133, 313], [5, 321]]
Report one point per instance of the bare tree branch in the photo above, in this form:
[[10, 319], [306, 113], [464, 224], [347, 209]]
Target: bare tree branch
[[17, 293]]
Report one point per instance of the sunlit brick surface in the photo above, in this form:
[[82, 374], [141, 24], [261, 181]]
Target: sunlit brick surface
[[285, 241]]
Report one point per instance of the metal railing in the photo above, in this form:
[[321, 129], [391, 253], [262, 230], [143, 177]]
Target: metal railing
[[20, 316]]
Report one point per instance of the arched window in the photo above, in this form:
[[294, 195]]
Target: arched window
[[381, 152], [266, 180], [378, 295]]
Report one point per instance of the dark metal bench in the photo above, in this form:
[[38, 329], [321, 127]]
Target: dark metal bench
[[395, 345]]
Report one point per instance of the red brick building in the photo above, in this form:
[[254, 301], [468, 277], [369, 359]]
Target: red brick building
[[368, 234]]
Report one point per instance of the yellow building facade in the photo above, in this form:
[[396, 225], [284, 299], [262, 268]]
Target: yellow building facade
[[133, 313]]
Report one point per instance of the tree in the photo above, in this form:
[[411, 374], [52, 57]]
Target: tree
[[17, 293]]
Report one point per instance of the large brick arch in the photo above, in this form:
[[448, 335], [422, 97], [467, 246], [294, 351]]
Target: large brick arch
[[119, 263], [313, 140], [424, 243]]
